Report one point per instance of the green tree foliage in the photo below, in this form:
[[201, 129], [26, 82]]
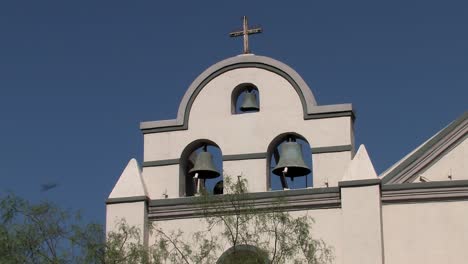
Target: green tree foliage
[[235, 220], [43, 233], [253, 232]]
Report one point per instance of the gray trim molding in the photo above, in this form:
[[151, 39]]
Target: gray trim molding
[[301, 199], [131, 199], [161, 162], [261, 155], [156, 163], [425, 192], [331, 149], [310, 108], [423, 157], [359, 183], [248, 156]]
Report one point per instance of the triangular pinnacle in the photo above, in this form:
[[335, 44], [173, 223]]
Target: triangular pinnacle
[[360, 168], [130, 183]]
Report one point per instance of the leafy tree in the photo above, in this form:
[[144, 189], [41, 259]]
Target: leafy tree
[[43, 233], [254, 233]]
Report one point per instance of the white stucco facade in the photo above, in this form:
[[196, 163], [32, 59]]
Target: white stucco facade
[[366, 218]]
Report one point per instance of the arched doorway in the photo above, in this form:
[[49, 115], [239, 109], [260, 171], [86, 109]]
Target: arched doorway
[[244, 254]]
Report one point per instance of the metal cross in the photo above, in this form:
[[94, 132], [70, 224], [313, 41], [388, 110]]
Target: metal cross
[[246, 32]]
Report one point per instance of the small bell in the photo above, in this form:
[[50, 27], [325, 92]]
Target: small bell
[[291, 162], [249, 102], [204, 166]]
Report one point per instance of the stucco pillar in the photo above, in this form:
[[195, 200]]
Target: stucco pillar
[[362, 212], [133, 213]]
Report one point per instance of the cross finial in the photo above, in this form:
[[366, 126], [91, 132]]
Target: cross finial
[[246, 32]]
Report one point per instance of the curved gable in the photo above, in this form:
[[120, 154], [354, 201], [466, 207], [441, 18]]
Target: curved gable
[[309, 105]]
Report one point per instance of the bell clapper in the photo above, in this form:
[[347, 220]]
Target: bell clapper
[[283, 179], [197, 184]]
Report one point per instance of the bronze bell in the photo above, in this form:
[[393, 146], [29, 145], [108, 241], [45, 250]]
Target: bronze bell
[[291, 158], [249, 102], [204, 166]]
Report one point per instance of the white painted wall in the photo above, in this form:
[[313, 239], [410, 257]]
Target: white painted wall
[[330, 167], [362, 225], [429, 233], [134, 214], [211, 118], [454, 162], [328, 226], [251, 170], [162, 180]]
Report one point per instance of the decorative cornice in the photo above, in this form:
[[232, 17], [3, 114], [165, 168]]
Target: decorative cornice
[[310, 108], [311, 198], [292, 200], [359, 183], [426, 154], [425, 192]]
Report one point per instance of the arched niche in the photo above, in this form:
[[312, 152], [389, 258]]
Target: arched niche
[[238, 94], [273, 151], [243, 254], [187, 161]]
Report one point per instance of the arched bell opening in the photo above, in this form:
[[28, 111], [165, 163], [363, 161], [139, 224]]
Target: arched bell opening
[[201, 167], [289, 162], [245, 98], [243, 254]]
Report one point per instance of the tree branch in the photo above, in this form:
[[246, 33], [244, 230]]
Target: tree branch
[[174, 245]]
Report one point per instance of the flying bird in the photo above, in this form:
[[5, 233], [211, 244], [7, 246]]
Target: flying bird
[[48, 186]]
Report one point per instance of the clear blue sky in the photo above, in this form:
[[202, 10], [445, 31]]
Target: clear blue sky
[[77, 77]]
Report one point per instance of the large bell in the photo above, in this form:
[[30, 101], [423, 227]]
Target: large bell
[[291, 158], [249, 102], [204, 166]]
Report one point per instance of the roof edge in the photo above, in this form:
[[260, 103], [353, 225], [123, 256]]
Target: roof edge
[[395, 172]]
